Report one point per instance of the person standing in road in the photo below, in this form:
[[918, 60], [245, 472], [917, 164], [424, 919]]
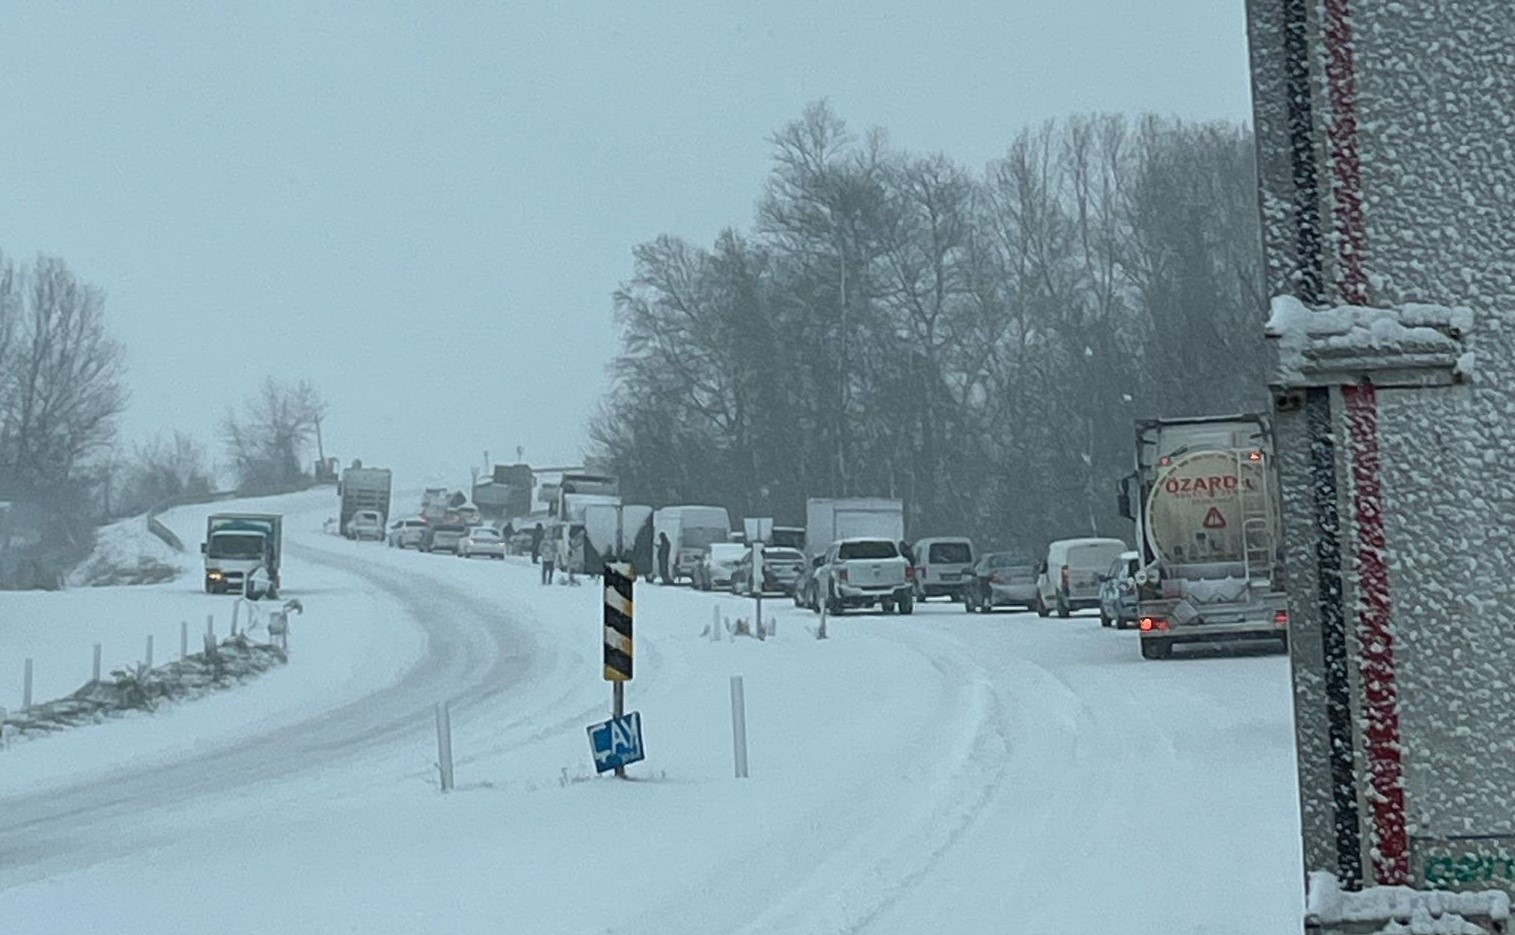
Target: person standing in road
[[544, 546], [665, 549], [536, 543]]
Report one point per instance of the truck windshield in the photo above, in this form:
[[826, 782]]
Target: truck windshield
[[878, 549], [237, 545]]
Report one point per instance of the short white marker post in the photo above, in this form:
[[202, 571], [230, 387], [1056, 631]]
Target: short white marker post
[[235, 608], [26, 686], [739, 726], [183, 639], [94, 672], [444, 745], [820, 632], [715, 624], [5, 730], [148, 658]]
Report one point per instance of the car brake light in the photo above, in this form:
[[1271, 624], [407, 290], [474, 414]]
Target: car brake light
[[841, 574], [909, 572], [1149, 624], [1280, 618]]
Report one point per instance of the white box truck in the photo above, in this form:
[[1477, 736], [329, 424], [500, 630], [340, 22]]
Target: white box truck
[[830, 519], [688, 530], [363, 488], [236, 545]]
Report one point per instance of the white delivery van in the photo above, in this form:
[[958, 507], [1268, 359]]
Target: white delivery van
[[1068, 578]]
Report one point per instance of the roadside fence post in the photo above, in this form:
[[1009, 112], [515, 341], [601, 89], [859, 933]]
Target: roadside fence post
[[739, 726], [444, 745], [94, 676], [820, 632], [183, 639], [149, 659], [26, 686]]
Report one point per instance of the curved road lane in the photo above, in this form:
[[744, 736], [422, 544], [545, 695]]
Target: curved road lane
[[472, 656]]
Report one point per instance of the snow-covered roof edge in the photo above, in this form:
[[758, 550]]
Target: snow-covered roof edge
[[1415, 344], [1326, 903]]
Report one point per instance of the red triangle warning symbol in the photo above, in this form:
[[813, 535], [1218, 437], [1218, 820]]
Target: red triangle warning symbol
[[1214, 519]]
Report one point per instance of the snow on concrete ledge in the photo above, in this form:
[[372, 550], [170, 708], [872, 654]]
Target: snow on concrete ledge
[[1400, 909], [1412, 345]]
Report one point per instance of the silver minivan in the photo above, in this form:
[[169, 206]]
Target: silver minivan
[[942, 566], [1068, 578]]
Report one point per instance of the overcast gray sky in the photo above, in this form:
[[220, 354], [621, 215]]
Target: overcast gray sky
[[424, 210]]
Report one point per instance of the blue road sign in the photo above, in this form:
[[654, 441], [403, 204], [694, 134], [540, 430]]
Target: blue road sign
[[616, 742]]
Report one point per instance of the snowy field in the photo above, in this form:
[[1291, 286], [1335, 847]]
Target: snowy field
[[942, 772]]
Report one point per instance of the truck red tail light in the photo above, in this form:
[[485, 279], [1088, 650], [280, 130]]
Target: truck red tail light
[[1149, 624], [1280, 618], [909, 572]]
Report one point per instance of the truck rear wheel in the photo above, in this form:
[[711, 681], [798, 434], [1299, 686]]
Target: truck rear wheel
[[1156, 649], [906, 603], [1062, 608]]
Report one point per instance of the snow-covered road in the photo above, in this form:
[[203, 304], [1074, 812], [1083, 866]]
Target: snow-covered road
[[940, 772]]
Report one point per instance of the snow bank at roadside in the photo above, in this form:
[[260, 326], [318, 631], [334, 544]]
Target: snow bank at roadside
[[127, 553]]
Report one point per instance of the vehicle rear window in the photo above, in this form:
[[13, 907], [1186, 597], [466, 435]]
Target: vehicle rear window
[[1008, 560], [455, 529], [876, 549], [484, 534], [784, 555], [957, 552], [415, 524], [1094, 556]]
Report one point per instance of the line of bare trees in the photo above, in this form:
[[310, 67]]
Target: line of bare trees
[[977, 344], [61, 396]]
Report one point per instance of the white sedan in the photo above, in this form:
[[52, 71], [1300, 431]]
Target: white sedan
[[481, 540]]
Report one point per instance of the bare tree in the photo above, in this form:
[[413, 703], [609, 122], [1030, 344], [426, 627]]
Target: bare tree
[[60, 395], [267, 442]]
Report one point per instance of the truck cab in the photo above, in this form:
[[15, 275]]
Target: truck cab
[[236, 545]]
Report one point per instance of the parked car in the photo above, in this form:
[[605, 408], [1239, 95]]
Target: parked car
[[1117, 592], [863, 573], [1068, 578], [444, 537], [481, 540], [781, 568], [366, 524], [1000, 579], [716, 564], [804, 592], [407, 533], [941, 564]]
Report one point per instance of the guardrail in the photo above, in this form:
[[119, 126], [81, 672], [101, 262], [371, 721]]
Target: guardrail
[[173, 541]]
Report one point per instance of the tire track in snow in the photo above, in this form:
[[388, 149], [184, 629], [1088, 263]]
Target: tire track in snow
[[472, 657]]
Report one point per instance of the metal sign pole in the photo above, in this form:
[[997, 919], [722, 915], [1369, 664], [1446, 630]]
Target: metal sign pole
[[619, 579]]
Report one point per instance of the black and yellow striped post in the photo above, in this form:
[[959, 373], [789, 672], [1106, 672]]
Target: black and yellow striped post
[[619, 579]]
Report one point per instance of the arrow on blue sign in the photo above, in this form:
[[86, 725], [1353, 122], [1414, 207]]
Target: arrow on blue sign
[[616, 742]]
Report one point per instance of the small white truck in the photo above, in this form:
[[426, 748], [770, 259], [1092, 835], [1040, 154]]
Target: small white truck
[[864, 572], [236, 545]]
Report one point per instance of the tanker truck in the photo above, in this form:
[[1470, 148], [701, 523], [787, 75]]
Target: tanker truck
[[1204, 498]]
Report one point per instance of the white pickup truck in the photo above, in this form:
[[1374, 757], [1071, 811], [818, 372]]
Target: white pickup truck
[[863, 572]]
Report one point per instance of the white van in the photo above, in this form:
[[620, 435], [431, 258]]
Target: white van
[[941, 566], [1068, 578]]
